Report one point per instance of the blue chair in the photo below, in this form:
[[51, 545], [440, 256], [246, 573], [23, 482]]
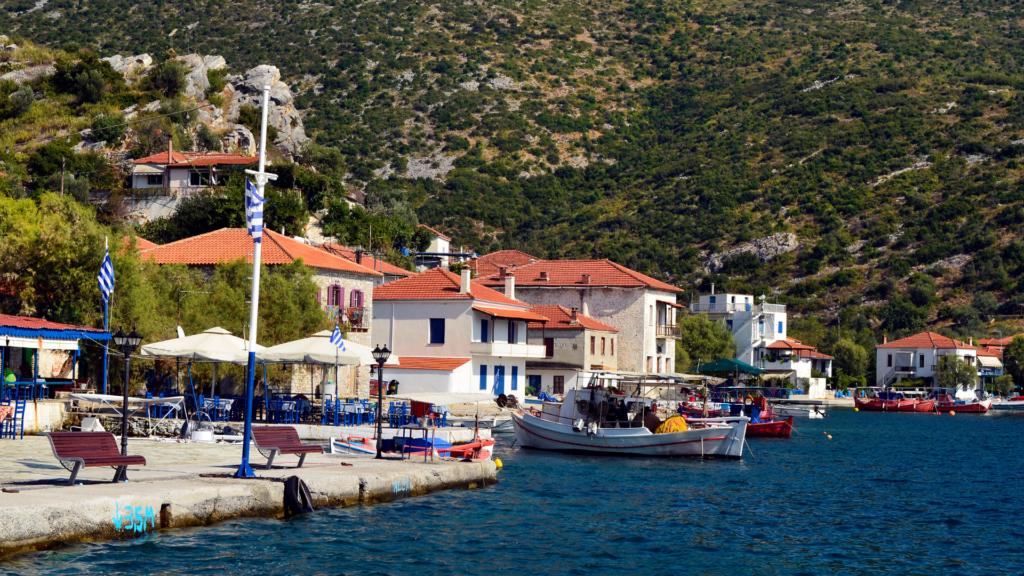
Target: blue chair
[[15, 425]]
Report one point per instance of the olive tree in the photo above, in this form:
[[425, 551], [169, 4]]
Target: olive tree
[[954, 372]]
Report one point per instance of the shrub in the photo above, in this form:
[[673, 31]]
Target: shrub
[[217, 79], [207, 139], [109, 129], [168, 78], [251, 118]]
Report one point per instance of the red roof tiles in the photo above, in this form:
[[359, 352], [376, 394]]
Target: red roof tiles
[[140, 243], [560, 318], [29, 323], [439, 284], [601, 273], [514, 314], [995, 351], [489, 264], [186, 159], [429, 363], [368, 260], [435, 232], [927, 340], [996, 341], [229, 244]]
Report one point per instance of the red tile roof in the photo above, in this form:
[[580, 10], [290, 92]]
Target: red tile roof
[[995, 351], [184, 160], [927, 340], [368, 260], [140, 243], [788, 344], [439, 284], [816, 354], [514, 314], [29, 323], [996, 341], [435, 232], [572, 272], [429, 363], [560, 317], [229, 244], [489, 264]]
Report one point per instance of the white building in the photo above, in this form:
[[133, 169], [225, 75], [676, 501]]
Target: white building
[[453, 335], [917, 357], [641, 307], [754, 325], [573, 345], [792, 360], [187, 171]]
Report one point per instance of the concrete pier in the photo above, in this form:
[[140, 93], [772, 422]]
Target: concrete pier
[[187, 484]]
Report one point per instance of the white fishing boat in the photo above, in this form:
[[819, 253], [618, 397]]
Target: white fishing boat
[[496, 423], [602, 421], [1014, 403], [799, 411]]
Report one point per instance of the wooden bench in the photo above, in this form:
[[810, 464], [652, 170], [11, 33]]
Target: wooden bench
[[273, 440], [90, 450]]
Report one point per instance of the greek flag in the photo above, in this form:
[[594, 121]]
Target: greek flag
[[253, 211], [336, 339], [106, 277]]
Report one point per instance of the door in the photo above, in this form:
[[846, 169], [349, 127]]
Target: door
[[559, 385], [533, 381], [499, 380]]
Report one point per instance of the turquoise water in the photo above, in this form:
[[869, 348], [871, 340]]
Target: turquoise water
[[888, 494]]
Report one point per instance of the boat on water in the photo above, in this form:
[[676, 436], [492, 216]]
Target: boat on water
[[799, 411], [894, 402], [771, 429], [962, 400], [476, 450], [609, 421], [752, 402], [1012, 403]]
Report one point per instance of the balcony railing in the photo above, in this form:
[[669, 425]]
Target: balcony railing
[[353, 316], [668, 331], [727, 307], [509, 350]]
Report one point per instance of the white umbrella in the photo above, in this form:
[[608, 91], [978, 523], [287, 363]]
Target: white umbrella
[[216, 344], [318, 349]]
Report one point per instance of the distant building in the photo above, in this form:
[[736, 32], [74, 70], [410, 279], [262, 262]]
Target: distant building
[[917, 357], [793, 360], [345, 288], [439, 245], [573, 345], [754, 325], [389, 272], [453, 335], [642, 308], [186, 171], [491, 264]]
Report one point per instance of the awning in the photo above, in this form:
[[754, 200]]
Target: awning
[[672, 304], [727, 365], [989, 362], [780, 373], [514, 314], [443, 399], [147, 169]]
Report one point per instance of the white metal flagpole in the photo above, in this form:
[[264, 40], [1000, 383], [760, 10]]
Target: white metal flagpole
[[244, 470]]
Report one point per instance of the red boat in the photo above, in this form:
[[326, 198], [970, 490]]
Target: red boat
[[777, 429], [948, 404], [880, 405]]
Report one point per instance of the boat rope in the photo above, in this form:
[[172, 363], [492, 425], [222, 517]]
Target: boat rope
[[748, 447]]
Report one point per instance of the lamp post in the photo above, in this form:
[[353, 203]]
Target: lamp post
[[381, 356], [127, 344]]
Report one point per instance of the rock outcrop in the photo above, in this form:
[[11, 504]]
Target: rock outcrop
[[247, 90], [29, 74], [132, 67], [764, 248]]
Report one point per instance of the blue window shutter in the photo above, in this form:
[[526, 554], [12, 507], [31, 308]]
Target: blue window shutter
[[437, 330], [515, 376], [484, 330], [780, 327], [483, 377]]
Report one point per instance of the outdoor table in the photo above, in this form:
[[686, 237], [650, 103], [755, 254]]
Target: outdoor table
[[425, 429], [222, 406]]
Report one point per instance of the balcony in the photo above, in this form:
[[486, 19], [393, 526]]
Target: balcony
[[353, 316], [668, 331], [507, 350], [729, 307]]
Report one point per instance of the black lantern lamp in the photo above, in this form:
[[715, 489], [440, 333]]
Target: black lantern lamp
[[381, 355], [127, 344]]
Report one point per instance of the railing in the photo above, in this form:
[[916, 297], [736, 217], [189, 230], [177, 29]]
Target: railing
[[353, 315], [668, 331], [720, 307], [774, 308], [506, 349]]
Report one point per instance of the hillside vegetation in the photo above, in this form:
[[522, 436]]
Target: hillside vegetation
[[886, 136]]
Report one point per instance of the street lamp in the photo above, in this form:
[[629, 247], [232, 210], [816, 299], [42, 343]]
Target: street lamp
[[381, 356], [127, 344]]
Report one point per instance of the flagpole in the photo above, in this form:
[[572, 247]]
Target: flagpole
[[106, 321], [244, 470]]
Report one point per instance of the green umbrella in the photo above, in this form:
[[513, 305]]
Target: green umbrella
[[726, 365]]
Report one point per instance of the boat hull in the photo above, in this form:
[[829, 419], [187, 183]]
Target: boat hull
[[723, 440], [878, 405], [798, 411], [972, 408], [778, 429], [1011, 404]]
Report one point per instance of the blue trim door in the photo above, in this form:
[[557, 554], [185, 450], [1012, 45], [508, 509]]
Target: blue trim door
[[499, 380]]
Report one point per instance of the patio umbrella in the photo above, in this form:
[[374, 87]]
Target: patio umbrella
[[318, 349], [216, 344]]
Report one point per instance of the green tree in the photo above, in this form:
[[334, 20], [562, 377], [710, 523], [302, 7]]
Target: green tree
[[251, 118], [109, 128], [954, 372], [985, 303], [169, 78], [900, 316], [207, 139], [1013, 359], [703, 340], [850, 358], [77, 188], [1003, 384]]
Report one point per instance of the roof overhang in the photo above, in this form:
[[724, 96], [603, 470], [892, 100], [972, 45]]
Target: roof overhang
[[511, 314], [672, 304], [148, 169]]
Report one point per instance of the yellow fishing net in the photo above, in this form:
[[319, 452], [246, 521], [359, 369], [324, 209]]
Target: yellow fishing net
[[673, 424]]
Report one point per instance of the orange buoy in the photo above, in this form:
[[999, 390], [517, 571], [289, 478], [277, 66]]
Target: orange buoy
[[829, 436], [952, 412]]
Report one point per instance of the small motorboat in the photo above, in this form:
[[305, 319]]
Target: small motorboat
[[498, 423], [962, 400], [798, 411], [772, 429], [894, 405], [1013, 403]]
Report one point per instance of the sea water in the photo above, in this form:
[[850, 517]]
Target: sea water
[[887, 494]]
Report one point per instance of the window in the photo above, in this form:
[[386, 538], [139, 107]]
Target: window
[[602, 346], [728, 324], [651, 317], [437, 330], [760, 326], [712, 301], [513, 333], [485, 330], [549, 347], [921, 361], [890, 361], [613, 346], [335, 295], [155, 179], [515, 377], [559, 385], [650, 364], [483, 377], [593, 344], [198, 178], [780, 327], [356, 299]]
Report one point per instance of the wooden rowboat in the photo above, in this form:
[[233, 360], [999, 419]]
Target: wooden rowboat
[[979, 407], [776, 429], [880, 405]]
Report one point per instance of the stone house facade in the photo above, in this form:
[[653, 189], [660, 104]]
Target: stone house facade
[[574, 346]]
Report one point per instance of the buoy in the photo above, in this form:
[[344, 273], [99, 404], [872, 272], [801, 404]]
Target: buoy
[[856, 409], [952, 412], [497, 462], [829, 436], [825, 433]]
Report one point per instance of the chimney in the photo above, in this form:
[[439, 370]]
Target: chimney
[[885, 338], [574, 319], [359, 256], [544, 276], [510, 286], [970, 340], [501, 272], [712, 288], [170, 151], [465, 288], [586, 278]]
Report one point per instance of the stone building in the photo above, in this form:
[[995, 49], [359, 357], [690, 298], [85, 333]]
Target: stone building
[[573, 346], [642, 308], [346, 288], [389, 272]]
